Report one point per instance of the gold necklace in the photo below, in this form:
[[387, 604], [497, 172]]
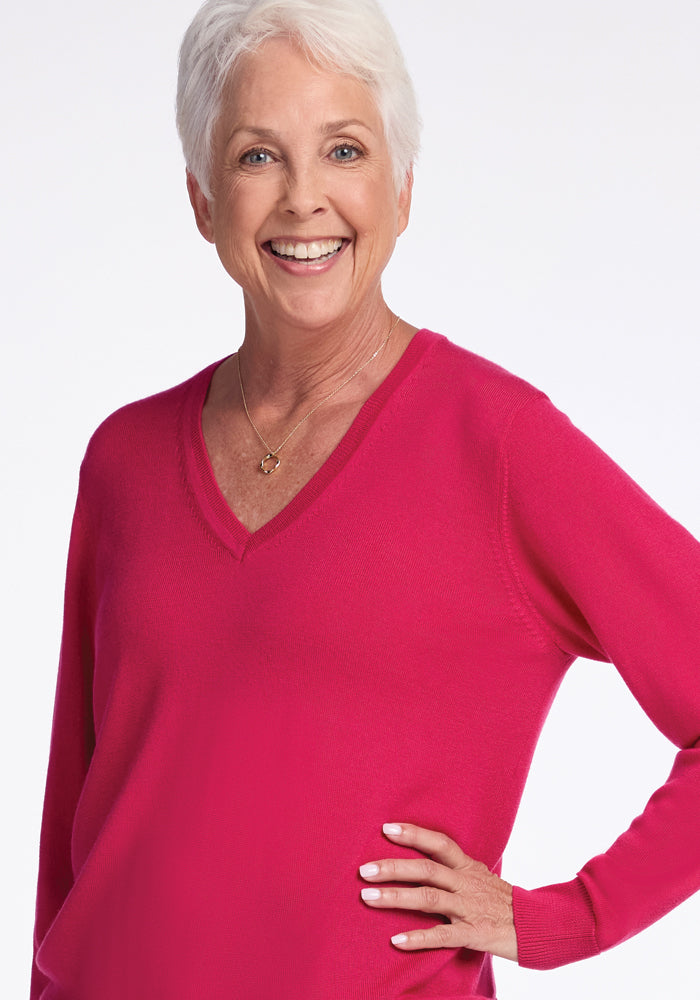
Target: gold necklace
[[271, 460]]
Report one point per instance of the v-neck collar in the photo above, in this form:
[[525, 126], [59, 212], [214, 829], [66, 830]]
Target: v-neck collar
[[200, 474]]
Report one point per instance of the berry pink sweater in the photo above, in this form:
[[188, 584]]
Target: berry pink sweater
[[237, 714]]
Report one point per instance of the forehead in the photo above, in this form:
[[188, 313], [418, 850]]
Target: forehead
[[277, 86]]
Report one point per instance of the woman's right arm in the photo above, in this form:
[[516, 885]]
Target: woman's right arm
[[72, 740]]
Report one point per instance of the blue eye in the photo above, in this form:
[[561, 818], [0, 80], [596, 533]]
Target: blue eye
[[257, 157], [346, 152]]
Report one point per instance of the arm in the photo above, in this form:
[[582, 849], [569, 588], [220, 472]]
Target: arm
[[600, 571], [72, 743]]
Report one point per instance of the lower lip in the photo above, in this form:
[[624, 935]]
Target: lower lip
[[306, 268]]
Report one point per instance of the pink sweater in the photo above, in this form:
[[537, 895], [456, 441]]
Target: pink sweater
[[237, 714]]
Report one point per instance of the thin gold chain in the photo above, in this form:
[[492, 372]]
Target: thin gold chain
[[272, 453]]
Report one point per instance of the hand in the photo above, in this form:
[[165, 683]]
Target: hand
[[478, 904]]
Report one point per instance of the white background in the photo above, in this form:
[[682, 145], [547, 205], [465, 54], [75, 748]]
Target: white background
[[555, 230]]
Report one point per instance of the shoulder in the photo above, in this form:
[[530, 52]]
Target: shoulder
[[144, 429], [484, 393]]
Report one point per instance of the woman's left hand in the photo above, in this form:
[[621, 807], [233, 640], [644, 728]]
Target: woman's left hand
[[478, 904]]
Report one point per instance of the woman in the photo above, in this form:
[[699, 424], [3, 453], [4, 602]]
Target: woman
[[321, 595]]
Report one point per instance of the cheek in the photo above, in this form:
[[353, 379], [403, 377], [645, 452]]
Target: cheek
[[241, 208], [380, 218], [378, 205], [236, 224]]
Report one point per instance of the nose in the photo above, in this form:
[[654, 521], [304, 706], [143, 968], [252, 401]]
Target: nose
[[303, 192]]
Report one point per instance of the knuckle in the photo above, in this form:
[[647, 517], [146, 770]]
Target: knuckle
[[463, 887], [429, 869], [473, 866], [430, 897], [481, 927], [443, 933], [444, 843]]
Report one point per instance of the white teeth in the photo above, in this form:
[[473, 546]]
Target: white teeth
[[306, 251]]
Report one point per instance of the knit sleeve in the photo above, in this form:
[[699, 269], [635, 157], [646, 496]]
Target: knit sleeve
[[603, 572], [72, 742]]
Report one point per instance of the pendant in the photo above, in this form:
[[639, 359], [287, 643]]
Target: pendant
[[267, 465]]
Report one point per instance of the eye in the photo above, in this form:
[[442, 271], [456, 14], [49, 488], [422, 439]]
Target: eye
[[257, 157], [346, 152]]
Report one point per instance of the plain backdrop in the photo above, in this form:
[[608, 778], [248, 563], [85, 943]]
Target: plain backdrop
[[555, 230]]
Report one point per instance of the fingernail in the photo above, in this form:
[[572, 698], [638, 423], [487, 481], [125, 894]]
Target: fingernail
[[367, 871], [399, 939], [392, 829], [371, 894]]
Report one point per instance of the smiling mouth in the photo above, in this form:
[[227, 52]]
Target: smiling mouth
[[314, 252]]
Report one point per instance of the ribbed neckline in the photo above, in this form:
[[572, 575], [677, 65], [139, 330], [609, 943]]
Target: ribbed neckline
[[200, 474]]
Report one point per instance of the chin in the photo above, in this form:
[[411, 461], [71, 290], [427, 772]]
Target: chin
[[312, 314]]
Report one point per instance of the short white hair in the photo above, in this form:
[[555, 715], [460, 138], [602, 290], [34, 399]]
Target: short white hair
[[346, 36]]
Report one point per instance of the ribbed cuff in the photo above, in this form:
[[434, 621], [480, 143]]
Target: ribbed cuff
[[555, 925]]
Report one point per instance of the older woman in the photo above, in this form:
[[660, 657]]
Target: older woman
[[320, 598]]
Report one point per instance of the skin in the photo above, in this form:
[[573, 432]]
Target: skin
[[478, 904], [300, 155]]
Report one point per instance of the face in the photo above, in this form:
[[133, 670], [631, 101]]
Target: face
[[304, 211]]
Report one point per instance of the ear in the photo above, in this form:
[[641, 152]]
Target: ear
[[404, 206], [201, 208]]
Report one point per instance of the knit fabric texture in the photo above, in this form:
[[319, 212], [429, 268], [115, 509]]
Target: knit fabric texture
[[237, 714]]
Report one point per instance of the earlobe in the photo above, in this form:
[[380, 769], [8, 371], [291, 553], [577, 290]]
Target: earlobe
[[200, 207], [405, 200]]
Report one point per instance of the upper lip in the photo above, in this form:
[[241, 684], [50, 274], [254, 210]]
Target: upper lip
[[303, 239]]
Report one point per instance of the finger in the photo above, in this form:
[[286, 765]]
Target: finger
[[457, 936], [440, 936], [422, 898], [424, 871], [438, 845]]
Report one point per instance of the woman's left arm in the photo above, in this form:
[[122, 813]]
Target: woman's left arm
[[596, 565], [600, 565]]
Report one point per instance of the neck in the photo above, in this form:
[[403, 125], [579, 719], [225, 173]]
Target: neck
[[288, 367]]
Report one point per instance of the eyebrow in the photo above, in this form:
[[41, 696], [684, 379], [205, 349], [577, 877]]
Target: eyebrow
[[339, 126], [268, 133]]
